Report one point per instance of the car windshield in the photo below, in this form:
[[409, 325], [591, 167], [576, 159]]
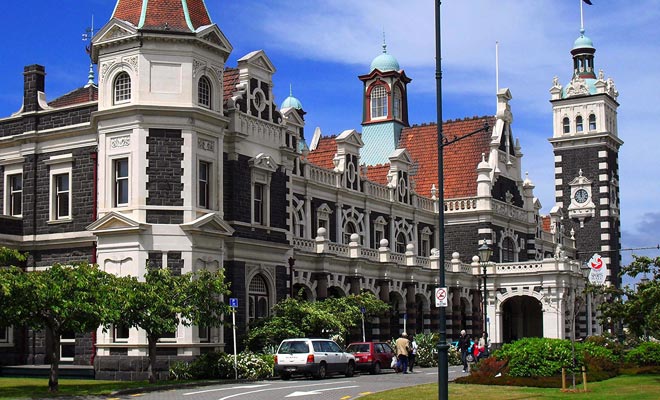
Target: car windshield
[[358, 348], [294, 347]]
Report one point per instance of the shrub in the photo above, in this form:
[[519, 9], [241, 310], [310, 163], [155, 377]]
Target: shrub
[[489, 368], [646, 354], [427, 353], [534, 357], [221, 366]]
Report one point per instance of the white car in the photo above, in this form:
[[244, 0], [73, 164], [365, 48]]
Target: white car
[[312, 357]]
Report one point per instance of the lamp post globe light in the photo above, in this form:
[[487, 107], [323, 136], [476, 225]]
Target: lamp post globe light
[[485, 252]]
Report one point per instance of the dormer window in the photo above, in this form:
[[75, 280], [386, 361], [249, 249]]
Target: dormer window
[[122, 88], [592, 122], [378, 102], [567, 125], [204, 92], [578, 124]]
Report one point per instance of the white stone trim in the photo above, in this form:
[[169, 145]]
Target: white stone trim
[[604, 236], [602, 165], [602, 153]]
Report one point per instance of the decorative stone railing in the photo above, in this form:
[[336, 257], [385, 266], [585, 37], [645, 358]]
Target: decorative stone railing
[[321, 245], [425, 203], [321, 175], [509, 210], [377, 191], [458, 205]]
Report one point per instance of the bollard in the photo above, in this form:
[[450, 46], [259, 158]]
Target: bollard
[[584, 378], [563, 378]]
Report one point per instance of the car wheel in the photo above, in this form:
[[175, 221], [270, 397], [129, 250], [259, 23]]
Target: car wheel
[[375, 370], [285, 376], [322, 371], [350, 369]]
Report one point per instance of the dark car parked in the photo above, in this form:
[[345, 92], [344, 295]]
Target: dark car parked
[[371, 356]]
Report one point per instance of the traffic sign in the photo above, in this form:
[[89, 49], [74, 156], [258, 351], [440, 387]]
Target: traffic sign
[[598, 272], [233, 302], [441, 297]]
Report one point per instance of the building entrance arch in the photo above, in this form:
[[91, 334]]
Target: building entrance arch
[[522, 316]]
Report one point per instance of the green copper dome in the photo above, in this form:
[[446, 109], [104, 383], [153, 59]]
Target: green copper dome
[[384, 62], [583, 42], [291, 102]]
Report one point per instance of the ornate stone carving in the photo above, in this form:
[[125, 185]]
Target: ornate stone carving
[[133, 62], [105, 67], [119, 142], [577, 87], [197, 65], [206, 145]]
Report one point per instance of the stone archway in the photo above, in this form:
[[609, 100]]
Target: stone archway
[[398, 308], [522, 316], [302, 292]]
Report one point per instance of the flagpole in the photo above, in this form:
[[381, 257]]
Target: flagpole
[[497, 67], [581, 16]]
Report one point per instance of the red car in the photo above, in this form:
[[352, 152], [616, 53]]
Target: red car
[[371, 356]]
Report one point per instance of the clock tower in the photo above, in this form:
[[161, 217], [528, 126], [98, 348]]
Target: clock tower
[[586, 147]]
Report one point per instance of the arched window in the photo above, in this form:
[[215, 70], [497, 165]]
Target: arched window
[[204, 92], [378, 102], [396, 104], [258, 298], [401, 243], [122, 88], [578, 124], [592, 122], [349, 229], [508, 250], [567, 125]]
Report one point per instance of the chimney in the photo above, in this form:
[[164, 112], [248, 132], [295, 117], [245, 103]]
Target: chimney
[[34, 81]]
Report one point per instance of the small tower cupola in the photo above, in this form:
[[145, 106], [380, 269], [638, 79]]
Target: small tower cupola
[[583, 57], [385, 108], [291, 102]]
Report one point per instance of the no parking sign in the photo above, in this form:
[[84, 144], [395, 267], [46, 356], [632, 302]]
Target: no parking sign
[[441, 297]]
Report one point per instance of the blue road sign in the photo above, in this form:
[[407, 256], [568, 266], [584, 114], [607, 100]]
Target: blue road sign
[[363, 310], [233, 302]]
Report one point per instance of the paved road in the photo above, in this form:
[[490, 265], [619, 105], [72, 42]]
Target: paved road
[[332, 388]]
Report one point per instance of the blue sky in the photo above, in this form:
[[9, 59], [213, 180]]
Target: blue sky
[[320, 47]]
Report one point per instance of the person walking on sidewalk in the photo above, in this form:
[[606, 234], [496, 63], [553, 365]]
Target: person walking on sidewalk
[[402, 351], [413, 354], [464, 348]]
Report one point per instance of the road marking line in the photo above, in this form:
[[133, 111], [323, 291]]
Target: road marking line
[[279, 388], [318, 391], [137, 395], [345, 398], [366, 393], [225, 388]]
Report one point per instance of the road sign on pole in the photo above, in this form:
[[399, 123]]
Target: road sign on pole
[[233, 302], [441, 297]]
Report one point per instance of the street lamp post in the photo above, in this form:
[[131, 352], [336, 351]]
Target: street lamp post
[[443, 347], [485, 252]]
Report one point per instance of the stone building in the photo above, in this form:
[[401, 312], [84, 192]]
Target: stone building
[[178, 160]]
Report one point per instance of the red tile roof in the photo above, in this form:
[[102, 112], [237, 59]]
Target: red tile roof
[[460, 158], [78, 96], [230, 80], [324, 153], [378, 173], [545, 220], [163, 14]]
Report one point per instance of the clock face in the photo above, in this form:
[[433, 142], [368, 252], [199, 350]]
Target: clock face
[[581, 196]]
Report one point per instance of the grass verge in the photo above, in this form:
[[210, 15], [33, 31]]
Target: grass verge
[[30, 388], [624, 387]]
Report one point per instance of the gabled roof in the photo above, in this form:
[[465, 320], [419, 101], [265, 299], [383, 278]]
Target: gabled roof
[[460, 158], [78, 96], [165, 15]]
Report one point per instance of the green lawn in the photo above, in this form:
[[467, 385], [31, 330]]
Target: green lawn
[[625, 387], [28, 388]]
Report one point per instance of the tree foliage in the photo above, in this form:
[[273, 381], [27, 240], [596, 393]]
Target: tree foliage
[[60, 299], [160, 302], [11, 257], [294, 317], [638, 308]]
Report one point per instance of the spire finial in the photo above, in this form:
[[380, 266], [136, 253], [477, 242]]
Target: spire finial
[[384, 43], [290, 90], [90, 76]]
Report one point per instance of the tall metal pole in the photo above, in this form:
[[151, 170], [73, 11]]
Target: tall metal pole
[[443, 372], [485, 299]]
